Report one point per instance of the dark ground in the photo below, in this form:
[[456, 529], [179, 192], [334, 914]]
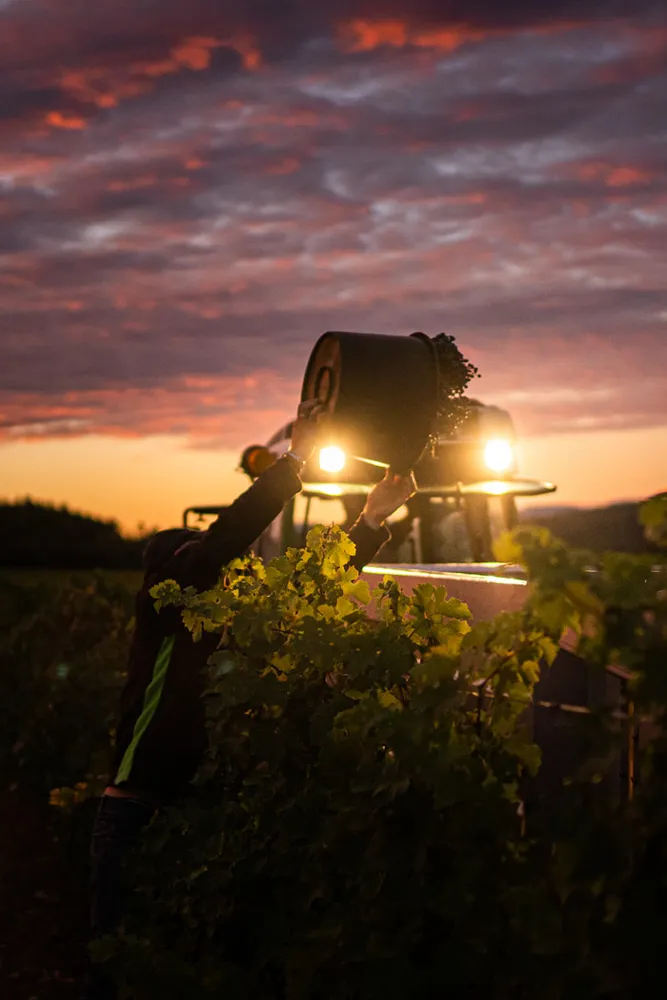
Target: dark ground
[[43, 903]]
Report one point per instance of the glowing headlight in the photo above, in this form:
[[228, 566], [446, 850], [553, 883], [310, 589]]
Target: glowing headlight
[[499, 455], [332, 459]]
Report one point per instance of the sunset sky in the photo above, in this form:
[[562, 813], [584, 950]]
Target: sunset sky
[[191, 192]]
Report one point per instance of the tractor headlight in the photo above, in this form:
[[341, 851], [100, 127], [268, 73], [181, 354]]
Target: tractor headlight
[[332, 459], [499, 455]]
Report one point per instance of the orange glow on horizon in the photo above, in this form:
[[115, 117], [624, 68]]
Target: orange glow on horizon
[[153, 479]]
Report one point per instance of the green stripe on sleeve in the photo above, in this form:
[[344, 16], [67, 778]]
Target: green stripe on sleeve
[[152, 697]]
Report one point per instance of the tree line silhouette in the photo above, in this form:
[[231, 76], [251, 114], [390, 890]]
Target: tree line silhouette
[[615, 528], [39, 535]]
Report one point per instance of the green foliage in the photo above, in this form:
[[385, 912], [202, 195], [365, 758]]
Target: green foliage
[[356, 828], [63, 660], [368, 821], [363, 824], [653, 517], [63, 644], [608, 861]]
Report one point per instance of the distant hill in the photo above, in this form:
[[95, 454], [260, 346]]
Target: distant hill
[[37, 535], [44, 536], [615, 528]]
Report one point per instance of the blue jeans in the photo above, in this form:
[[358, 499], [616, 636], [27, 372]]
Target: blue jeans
[[116, 831]]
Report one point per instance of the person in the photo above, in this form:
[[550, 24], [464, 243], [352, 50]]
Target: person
[[161, 735]]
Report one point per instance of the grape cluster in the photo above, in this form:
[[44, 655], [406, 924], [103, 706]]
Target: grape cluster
[[455, 372]]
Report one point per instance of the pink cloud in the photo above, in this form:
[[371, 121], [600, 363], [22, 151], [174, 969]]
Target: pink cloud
[[172, 218], [216, 411]]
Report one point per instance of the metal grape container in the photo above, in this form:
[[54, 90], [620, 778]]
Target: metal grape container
[[383, 394]]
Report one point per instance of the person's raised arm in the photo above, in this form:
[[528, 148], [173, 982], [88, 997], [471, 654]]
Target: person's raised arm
[[199, 561], [370, 532]]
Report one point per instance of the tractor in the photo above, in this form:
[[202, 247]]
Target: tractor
[[468, 483]]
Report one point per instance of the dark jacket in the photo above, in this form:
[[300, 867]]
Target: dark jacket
[[161, 735]]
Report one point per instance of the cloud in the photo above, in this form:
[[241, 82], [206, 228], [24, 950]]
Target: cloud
[[199, 196], [361, 35], [59, 120], [213, 411]]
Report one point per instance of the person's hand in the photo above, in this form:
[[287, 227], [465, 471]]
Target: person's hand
[[385, 498], [307, 428]]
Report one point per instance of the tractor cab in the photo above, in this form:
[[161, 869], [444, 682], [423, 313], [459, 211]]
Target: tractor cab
[[468, 482]]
